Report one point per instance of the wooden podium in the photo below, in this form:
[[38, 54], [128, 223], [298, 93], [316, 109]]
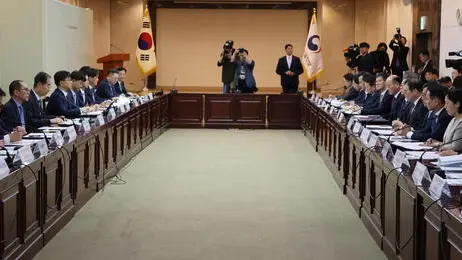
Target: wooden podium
[[113, 61]]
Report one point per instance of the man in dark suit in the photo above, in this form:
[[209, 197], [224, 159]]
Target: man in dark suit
[[61, 102], [394, 89], [371, 96], [289, 67], [78, 80], [383, 104], [361, 98], [90, 88], [416, 108], [106, 89], [400, 52], [437, 119], [365, 61], [120, 84], [7, 137], [352, 87], [13, 113], [35, 107], [424, 57]]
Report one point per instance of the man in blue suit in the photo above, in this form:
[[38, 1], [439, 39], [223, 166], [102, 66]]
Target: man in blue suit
[[437, 119], [61, 102], [78, 81], [371, 95], [361, 98], [383, 104], [13, 113], [120, 84], [106, 88], [394, 89], [416, 110], [90, 87]]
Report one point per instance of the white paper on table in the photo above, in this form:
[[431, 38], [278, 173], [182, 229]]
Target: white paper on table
[[383, 131], [453, 175], [433, 155], [416, 146], [451, 169], [25, 142], [395, 138], [39, 135], [384, 127], [93, 113], [454, 182], [450, 160], [53, 128]]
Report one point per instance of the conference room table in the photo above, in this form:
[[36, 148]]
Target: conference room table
[[38, 199], [403, 218]]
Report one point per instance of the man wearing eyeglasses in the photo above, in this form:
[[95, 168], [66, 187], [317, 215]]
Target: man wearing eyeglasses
[[13, 113]]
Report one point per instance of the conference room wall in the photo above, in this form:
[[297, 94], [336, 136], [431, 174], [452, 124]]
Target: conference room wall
[[21, 41], [189, 42], [451, 33]]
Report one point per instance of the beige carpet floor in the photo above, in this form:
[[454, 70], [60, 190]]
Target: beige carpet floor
[[219, 195]]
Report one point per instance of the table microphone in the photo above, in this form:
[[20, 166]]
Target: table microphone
[[397, 130], [438, 146], [106, 111]]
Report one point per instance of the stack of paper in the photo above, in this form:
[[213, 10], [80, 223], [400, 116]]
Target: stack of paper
[[454, 161], [433, 155], [383, 127], [383, 131], [416, 146]]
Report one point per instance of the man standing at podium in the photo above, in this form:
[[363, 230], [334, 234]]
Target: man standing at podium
[[289, 67]]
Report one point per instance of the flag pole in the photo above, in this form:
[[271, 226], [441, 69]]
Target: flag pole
[[314, 82]]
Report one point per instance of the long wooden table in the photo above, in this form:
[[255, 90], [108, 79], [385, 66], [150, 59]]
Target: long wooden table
[[393, 209], [38, 200]]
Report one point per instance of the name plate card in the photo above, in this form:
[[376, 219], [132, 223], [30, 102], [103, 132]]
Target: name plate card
[[111, 115], [365, 135], [438, 186], [42, 147], [372, 141], [86, 126], [122, 109], [99, 120], [57, 139], [350, 123], [420, 173], [357, 128], [71, 133], [4, 169], [326, 108], [385, 149], [25, 154], [399, 158], [150, 96], [332, 109]]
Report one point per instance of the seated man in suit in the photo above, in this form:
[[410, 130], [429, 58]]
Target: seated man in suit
[[106, 89], [431, 75], [415, 111], [437, 119], [352, 87], [371, 95], [13, 113], [35, 107], [120, 84], [90, 90], [289, 68], [361, 98], [383, 106], [61, 102], [78, 79], [394, 89]]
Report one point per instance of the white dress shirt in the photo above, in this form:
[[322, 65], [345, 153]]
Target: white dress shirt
[[289, 60]]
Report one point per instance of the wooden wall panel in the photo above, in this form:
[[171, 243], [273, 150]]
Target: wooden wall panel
[[186, 110], [219, 110], [284, 111], [250, 110]]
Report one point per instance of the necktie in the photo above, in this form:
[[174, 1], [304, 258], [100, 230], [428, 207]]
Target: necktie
[[21, 115], [434, 123], [40, 103], [70, 99]]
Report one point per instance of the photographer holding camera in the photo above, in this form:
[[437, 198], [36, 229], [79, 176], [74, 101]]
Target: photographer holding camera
[[244, 79], [228, 64], [400, 52], [382, 60]]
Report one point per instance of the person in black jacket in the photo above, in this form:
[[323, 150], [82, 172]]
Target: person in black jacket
[[371, 96], [352, 87], [416, 109], [381, 58], [289, 68], [120, 84], [424, 57], [436, 120], [400, 52], [365, 61], [394, 89], [35, 106]]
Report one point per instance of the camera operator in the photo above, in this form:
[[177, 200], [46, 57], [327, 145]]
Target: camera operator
[[456, 72], [228, 64], [244, 79], [400, 52], [365, 61]]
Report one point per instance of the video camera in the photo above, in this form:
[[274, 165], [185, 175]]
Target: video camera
[[351, 52], [455, 64], [228, 47]]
